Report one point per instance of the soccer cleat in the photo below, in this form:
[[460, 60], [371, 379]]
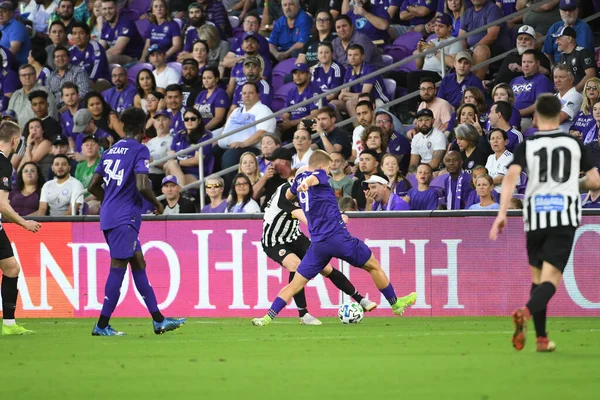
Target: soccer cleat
[[168, 324], [368, 305], [108, 331], [543, 345], [520, 317], [15, 330], [264, 321], [309, 320], [403, 303]]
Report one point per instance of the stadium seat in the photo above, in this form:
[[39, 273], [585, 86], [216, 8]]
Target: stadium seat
[[175, 65], [234, 21], [179, 22], [133, 71], [390, 87], [142, 25], [280, 96], [412, 179], [409, 40], [439, 181], [387, 59], [142, 6], [281, 70]]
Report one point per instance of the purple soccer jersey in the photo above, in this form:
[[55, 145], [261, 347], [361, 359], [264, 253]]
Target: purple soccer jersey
[[125, 27], [181, 141], [399, 145], [425, 200], [92, 59], [118, 166], [583, 122], [44, 73], [9, 83], [264, 89], [162, 35], [119, 101], [294, 97], [237, 71], [362, 24], [395, 203], [472, 20], [432, 5], [527, 90], [330, 79], [452, 91], [176, 121], [208, 106], [378, 89], [66, 121]]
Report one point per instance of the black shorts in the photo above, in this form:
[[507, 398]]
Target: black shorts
[[6, 250], [299, 247], [552, 245]]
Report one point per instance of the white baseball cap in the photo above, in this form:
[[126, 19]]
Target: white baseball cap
[[527, 30]]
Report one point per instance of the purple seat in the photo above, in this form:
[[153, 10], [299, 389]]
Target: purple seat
[[176, 66], [439, 181], [412, 178], [142, 26], [409, 40], [281, 70], [390, 87], [140, 5], [280, 96], [387, 59], [135, 70]]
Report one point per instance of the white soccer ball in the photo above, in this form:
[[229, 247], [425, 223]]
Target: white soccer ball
[[350, 313]]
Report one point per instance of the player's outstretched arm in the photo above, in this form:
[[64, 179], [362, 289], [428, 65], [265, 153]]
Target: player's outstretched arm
[[95, 187], [508, 188], [143, 186], [10, 214], [308, 182]]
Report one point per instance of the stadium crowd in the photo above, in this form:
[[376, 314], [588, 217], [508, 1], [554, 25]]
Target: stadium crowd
[[200, 70]]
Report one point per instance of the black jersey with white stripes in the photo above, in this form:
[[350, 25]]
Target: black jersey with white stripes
[[279, 226]]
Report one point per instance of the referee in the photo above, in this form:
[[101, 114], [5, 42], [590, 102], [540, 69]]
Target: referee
[[552, 211], [284, 242]]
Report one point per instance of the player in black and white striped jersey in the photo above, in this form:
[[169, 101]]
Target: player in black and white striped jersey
[[552, 210], [284, 242]]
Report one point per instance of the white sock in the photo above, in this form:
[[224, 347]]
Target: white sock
[[9, 322]]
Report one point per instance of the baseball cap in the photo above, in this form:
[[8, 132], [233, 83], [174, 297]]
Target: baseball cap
[[444, 19], [281, 153], [90, 137], [252, 60], [10, 114], [81, 119], [568, 5], [189, 61], [300, 67], [565, 31], [425, 112], [194, 5], [170, 179], [464, 55], [378, 178], [528, 30], [7, 5], [59, 139], [250, 34], [164, 113], [155, 48]]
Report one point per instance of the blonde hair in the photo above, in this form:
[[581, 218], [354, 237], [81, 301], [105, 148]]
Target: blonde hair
[[318, 157], [587, 105], [509, 91], [254, 177], [168, 17], [210, 34]]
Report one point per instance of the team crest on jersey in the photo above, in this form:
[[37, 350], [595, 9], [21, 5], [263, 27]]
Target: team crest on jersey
[[470, 164], [65, 192], [125, 31], [87, 54], [147, 163], [97, 53], [281, 252], [587, 60], [573, 61], [166, 29], [429, 145]]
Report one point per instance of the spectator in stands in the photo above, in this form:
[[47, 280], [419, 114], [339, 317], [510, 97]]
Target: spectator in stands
[[397, 143], [453, 85], [214, 189], [240, 198], [324, 34], [511, 65], [196, 20], [372, 138], [185, 167], [570, 98], [540, 18], [429, 144], [250, 24], [456, 185], [38, 146], [155, 101], [276, 174], [584, 120], [473, 96], [217, 48], [347, 203], [191, 81], [174, 104], [272, 11], [145, 84], [348, 97], [331, 139], [120, 36], [490, 43], [497, 163], [416, 13], [217, 14], [301, 142], [39, 12], [467, 113], [590, 138], [365, 117], [569, 15], [174, 202], [290, 31], [474, 148], [84, 126], [40, 106], [454, 8], [423, 197], [14, 34], [89, 55], [338, 180], [59, 194], [96, 21], [65, 13], [90, 149], [163, 74], [122, 94], [70, 97], [268, 144], [60, 145], [398, 182], [249, 165], [504, 92], [580, 60], [484, 186], [25, 195], [250, 46], [163, 32], [253, 73], [348, 36], [441, 109], [58, 36], [591, 200], [499, 117], [37, 59], [328, 74], [379, 197], [368, 165], [368, 19], [304, 90], [66, 72], [530, 86], [104, 117], [212, 102], [159, 147]]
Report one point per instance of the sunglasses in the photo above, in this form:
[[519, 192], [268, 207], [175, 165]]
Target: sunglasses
[[213, 186], [193, 119], [241, 184]]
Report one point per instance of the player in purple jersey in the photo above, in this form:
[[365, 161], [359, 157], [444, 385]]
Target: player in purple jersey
[[123, 170], [329, 238]]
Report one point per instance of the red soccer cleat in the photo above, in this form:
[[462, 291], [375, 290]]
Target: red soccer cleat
[[544, 345], [520, 317]]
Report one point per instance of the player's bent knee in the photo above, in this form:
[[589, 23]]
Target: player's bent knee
[[10, 267], [327, 270]]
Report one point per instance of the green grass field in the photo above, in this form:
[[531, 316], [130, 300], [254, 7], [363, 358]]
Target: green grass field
[[380, 358]]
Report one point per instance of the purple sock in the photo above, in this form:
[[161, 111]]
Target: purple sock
[[390, 294], [143, 286], [276, 307], [112, 291]]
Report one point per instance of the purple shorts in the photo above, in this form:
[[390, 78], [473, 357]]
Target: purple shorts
[[122, 241], [348, 248]]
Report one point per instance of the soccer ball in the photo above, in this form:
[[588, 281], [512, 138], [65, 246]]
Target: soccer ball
[[350, 313]]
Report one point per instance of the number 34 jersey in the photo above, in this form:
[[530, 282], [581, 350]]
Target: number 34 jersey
[[552, 161], [118, 166]]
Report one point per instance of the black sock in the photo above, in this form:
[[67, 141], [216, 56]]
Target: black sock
[[157, 316], [343, 283], [539, 318], [9, 294], [299, 299], [540, 297], [103, 321]]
